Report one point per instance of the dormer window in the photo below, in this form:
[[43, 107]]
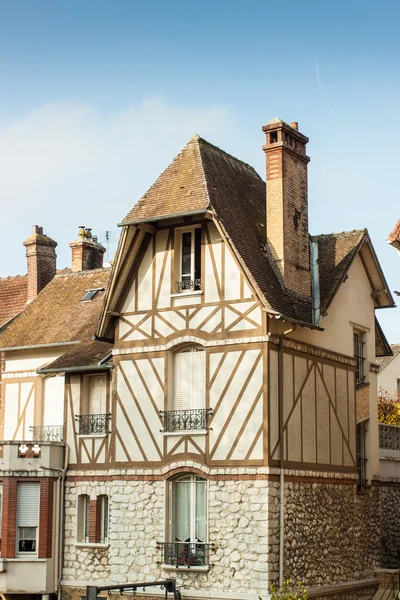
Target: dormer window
[[90, 294], [189, 253]]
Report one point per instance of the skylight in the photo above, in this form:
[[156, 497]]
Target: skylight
[[90, 294]]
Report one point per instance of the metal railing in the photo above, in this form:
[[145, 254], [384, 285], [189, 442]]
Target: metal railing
[[185, 420], [188, 285], [47, 433], [389, 436], [185, 554], [92, 424], [392, 588], [361, 455]]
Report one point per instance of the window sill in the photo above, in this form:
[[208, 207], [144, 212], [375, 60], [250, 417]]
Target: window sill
[[92, 545], [362, 384], [187, 293], [25, 558], [203, 569], [186, 432], [93, 435]]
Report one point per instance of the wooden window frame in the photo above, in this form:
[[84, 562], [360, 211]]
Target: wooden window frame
[[359, 344], [196, 260]]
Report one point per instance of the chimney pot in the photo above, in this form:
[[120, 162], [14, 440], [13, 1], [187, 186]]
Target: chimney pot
[[294, 125], [41, 257], [87, 253]]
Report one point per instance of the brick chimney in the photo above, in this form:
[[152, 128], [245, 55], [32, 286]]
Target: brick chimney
[[41, 257], [287, 203], [87, 253]]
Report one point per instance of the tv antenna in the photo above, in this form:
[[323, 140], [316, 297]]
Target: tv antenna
[[107, 237]]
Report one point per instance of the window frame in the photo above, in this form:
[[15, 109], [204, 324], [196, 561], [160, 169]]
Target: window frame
[[19, 528], [82, 518], [178, 353], [359, 343], [171, 483], [104, 518], [196, 261]]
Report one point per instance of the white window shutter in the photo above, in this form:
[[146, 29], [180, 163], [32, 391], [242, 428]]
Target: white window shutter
[[199, 379], [28, 505], [97, 394], [182, 387]]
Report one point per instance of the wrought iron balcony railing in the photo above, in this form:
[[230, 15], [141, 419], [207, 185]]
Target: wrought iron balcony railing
[[185, 554], [188, 285], [92, 424], [47, 433], [185, 420]]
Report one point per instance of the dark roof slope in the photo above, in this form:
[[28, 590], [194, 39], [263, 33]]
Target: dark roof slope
[[385, 361], [13, 296], [336, 252], [57, 313], [203, 177], [87, 353]]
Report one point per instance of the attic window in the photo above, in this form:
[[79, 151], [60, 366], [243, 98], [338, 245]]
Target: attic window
[[90, 294]]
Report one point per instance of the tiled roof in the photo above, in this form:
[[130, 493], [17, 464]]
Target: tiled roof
[[57, 313], [385, 361], [13, 296], [336, 252], [204, 177], [87, 353]]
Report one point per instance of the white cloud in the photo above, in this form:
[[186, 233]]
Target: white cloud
[[64, 164]]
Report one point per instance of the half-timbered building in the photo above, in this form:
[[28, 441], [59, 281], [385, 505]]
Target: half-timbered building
[[216, 391]]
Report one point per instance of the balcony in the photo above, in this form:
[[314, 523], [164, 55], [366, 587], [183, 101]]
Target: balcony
[[189, 285], [185, 420], [92, 424], [185, 554], [47, 433], [27, 576], [31, 456]]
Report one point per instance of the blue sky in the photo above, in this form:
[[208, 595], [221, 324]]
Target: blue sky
[[96, 98]]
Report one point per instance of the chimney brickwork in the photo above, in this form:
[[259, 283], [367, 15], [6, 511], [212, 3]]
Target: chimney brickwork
[[87, 253], [287, 203], [42, 261]]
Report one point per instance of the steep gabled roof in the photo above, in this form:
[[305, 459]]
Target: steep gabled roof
[[203, 179], [385, 361], [13, 296], [57, 315]]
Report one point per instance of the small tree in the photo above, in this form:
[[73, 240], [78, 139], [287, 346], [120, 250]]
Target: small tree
[[288, 591], [388, 407]]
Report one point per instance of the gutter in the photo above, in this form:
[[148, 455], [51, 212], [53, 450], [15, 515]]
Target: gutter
[[99, 367], [164, 217], [35, 346]]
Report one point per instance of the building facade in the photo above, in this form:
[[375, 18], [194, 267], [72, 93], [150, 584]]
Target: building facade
[[215, 394]]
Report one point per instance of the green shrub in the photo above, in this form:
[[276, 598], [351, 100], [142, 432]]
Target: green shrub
[[288, 591]]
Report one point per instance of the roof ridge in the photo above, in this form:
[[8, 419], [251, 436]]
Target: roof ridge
[[68, 273], [338, 233], [197, 138], [9, 277]]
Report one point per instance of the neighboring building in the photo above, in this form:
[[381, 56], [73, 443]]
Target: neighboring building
[[232, 441], [389, 371]]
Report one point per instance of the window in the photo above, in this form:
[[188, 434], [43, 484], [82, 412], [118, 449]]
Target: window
[[102, 506], [90, 294], [83, 518], [361, 454], [27, 517], [93, 419], [190, 379], [359, 344], [189, 260], [187, 534]]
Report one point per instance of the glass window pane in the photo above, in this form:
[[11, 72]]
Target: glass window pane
[[186, 254], [201, 523], [182, 511]]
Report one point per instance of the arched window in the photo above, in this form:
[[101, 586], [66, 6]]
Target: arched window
[[187, 535], [190, 379], [189, 513]]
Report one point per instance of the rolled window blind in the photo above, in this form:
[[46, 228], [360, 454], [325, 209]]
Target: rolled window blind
[[28, 504], [97, 394]]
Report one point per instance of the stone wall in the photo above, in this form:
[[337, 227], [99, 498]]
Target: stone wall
[[331, 531], [390, 524], [237, 523]]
